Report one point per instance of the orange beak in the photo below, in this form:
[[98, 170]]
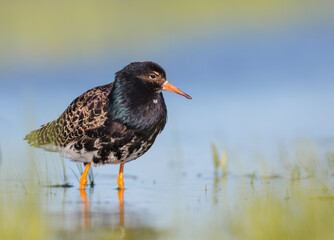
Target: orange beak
[[169, 87]]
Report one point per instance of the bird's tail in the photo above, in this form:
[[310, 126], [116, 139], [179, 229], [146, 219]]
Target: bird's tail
[[43, 136]]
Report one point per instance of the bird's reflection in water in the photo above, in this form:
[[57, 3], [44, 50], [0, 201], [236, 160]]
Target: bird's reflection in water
[[85, 211], [121, 207], [86, 208]]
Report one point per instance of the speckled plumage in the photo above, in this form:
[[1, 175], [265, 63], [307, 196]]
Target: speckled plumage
[[109, 124]]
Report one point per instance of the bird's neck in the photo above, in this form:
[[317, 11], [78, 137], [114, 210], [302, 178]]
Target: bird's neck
[[136, 106]]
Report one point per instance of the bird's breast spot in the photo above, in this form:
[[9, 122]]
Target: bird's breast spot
[[155, 101]]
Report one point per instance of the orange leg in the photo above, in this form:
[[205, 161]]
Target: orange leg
[[83, 179], [120, 177]]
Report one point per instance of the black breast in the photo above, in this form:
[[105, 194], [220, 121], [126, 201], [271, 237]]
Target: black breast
[[136, 108]]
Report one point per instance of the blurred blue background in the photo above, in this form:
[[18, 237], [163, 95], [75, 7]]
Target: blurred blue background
[[260, 72]]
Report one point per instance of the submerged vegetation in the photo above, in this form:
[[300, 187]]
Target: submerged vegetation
[[22, 219], [304, 215], [219, 162], [300, 215], [298, 205], [21, 214]]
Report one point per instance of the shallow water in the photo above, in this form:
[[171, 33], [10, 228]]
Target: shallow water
[[265, 100], [170, 205]]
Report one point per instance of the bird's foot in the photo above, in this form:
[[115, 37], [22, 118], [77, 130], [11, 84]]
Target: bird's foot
[[120, 182], [83, 182]]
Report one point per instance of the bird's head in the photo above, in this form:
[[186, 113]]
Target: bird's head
[[148, 75], [136, 99]]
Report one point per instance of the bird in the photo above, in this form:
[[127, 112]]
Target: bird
[[111, 124]]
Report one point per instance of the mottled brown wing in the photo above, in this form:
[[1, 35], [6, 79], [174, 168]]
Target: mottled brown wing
[[88, 111]]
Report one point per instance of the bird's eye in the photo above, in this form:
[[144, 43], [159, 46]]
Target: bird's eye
[[152, 76]]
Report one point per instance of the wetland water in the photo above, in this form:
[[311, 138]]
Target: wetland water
[[275, 123], [172, 204]]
